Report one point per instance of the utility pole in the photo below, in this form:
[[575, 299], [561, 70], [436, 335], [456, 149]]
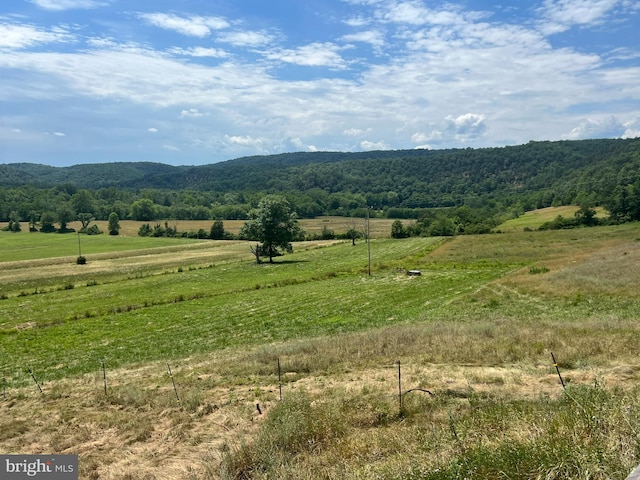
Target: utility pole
[[368, 243]]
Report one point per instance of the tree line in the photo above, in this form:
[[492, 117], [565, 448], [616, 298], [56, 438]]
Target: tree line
[[461, 190]]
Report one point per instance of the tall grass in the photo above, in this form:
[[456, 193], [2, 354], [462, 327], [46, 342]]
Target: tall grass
[[588, 432]]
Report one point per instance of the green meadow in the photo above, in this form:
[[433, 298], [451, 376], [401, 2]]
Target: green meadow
[[476, 329]]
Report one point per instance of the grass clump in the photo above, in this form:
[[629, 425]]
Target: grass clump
[[587, 432], [297, 426]]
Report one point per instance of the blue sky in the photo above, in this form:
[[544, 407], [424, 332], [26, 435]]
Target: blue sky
[[192, 82]]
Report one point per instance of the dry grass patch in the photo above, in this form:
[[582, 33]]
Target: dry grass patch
[[340, 417], [379, 227]]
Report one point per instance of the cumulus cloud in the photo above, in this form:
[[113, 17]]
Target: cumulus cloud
[[433, 59], [466, 127], [369, 145], [152, 130], [607, 127], [193, 26]]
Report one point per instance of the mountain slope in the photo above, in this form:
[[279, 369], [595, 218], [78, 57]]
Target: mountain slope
[[422, 178]]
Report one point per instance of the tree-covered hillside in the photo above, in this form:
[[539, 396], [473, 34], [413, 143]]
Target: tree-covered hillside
[[395, 183]]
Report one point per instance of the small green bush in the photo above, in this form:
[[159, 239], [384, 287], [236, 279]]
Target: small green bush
[[538, 270]]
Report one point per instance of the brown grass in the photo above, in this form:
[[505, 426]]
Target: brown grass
[[379, 227], [140, 431]]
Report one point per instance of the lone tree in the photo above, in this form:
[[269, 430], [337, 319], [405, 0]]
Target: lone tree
[[114, 224], [274, 225], [85, 219], [14, 222], [217, 230]]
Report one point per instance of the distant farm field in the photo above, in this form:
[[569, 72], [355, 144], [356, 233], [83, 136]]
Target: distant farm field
[[86, 349], [379, 227], [535, 218]]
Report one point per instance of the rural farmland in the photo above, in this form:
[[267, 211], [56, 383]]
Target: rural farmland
[[312, 368]]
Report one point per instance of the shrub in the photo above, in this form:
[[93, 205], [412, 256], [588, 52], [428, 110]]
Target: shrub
[[94, 230], [144, 230]]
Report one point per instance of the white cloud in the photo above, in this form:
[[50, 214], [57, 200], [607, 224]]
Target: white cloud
[[466, 127], [59, 134], [152, 130], [373, 37], [200, 52], [369, 145], [445, 60], [245, 141], [171, 148], [415, 13], [23, 36], [606, 127], [311, 55], [247, 38], [191, 113], [355, 132], [632, 128], [194, 26], [299, 144], [560, 15], [419, 137], [58, 5], [357, 21]]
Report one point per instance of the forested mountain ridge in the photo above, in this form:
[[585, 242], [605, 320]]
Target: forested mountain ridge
[[100, 175], [526, 167], [524, 177]]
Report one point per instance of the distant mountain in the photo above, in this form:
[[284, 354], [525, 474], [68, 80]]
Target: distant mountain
[[421, 178], [94, 176]]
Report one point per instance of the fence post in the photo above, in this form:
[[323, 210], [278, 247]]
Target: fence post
[[175, 390], [555, 364], [35, 381], [399, 387], [279, 379], [104, 378]]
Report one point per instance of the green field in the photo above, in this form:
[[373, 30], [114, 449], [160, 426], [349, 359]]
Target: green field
[[476, 329]]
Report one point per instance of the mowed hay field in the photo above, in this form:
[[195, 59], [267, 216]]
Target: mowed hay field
[[472, 336], [378, 227]]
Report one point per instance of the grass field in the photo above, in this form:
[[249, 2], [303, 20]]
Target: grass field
[[476, 329], [378, 227]]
